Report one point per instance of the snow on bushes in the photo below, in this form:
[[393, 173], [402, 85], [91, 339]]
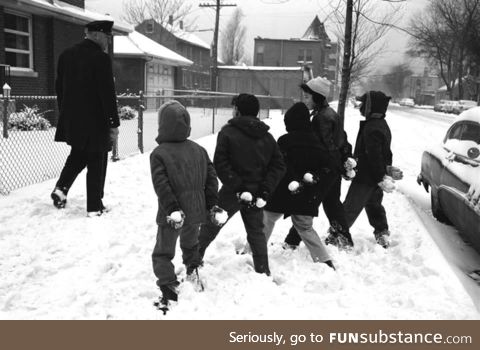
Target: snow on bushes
[[29, 118]]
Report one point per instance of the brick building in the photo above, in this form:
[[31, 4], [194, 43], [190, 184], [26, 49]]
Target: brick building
[[314, 50], [195, 76], [34, 33]]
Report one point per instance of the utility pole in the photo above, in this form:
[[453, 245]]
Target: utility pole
[[214, 53]]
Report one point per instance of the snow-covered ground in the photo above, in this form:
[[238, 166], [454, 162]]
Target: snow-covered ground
[[62, 265]]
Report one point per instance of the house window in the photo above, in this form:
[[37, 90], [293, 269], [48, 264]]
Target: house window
[[150, 27], [304, 55], [18, 40], [260, 50], [429, 82]]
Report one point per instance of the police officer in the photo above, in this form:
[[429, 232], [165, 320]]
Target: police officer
[[88, 119]]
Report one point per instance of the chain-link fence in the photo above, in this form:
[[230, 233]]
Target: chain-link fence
[[29, 154]]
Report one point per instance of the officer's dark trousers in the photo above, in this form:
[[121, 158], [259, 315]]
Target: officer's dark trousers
[[96, 163], [366, 196], [333, 208], [253, 222], [164, 251]]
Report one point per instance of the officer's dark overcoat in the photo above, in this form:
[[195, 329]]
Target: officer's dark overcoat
[[86, 97]]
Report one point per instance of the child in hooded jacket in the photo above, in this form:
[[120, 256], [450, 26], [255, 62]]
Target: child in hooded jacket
[[374, 170], [186, 185], [305, 184]]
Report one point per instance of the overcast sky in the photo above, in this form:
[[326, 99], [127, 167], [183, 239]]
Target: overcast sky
[[281, 19]]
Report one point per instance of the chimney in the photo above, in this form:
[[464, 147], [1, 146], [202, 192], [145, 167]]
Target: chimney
[[181, 24], [170, 20]]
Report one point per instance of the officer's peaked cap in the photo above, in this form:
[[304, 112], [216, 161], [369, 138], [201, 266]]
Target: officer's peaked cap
[[100, 26]]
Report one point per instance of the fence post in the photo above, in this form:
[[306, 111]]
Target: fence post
[[5, 116], [140, 122], [213, 114]]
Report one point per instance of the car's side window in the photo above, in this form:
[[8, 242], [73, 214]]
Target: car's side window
[[471, 132]]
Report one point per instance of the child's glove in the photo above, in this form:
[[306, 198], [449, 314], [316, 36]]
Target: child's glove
[[295, 187], [176, 219], [245, 198], [310, 179], [394, 172], [387, 184], [350, 164], [218, 216]]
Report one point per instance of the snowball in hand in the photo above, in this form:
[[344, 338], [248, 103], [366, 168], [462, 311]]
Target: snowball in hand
[[260, 203], [308, 177], [351, 173], [293, 186], [221, 217], [246, 196], [176, 216], [350, 163]]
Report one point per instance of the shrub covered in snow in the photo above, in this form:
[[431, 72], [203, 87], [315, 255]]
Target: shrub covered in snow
[[29, 118]]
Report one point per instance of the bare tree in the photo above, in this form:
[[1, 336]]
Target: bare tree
[[137, 11], [441, 35], [233, 39], [394, 80], [369, 26]]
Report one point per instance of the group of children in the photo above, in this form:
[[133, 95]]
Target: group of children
[[266, 179]]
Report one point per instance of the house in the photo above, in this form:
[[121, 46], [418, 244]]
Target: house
[[195, 76], [35, 32], [422, 88], [142, 64], [471, 89], [314, 50], [280, 82]]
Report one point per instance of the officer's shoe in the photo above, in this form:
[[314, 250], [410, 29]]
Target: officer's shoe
[[59, 197]]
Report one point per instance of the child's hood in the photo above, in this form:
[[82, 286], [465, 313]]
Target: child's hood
[[173, 122]]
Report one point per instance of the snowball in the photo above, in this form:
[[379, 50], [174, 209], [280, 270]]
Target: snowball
[[351, 173], [293, 186], [221, 217], [246, 196], [350, 163], [308, 177], [260, 203], [176, 216]]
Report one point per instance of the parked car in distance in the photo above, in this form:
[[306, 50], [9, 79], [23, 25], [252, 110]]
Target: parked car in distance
[[406, 102], [463, 105], [440, 105], [449, 106], [451, 170]]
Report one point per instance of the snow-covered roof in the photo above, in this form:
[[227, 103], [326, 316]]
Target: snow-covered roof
[[187, 36], [261, 68], [137, 44], [472, 114], [74, 13]]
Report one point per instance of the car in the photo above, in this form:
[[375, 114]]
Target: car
[[463, 105], [449, 106], [407, 102], [451, 171], [440, 105]]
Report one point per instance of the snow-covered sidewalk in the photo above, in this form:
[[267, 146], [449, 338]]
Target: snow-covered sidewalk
[[62, 265]]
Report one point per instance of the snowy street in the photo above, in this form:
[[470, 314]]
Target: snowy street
[[59, 264]]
